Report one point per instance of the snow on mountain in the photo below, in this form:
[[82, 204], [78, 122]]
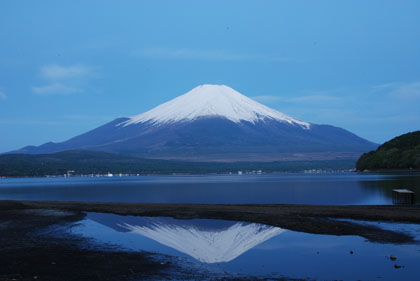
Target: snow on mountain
[[215, 123], [212, 101], [207, 245]]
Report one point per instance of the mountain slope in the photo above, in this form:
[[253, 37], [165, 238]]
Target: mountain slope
[[402, 152], [216, 123], [212, 101], [208, 241]]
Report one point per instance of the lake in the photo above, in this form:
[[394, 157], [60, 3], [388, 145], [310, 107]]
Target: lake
[[239, 249], [293, 188]]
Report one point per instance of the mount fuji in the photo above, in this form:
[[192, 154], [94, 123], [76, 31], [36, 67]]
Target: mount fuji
[[209, 241], [215, 123]]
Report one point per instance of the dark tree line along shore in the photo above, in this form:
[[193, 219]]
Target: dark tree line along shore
[[83, 162], [402, 152]]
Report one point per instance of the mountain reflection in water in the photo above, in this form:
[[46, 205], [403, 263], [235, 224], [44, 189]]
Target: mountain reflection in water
[[209, 241]]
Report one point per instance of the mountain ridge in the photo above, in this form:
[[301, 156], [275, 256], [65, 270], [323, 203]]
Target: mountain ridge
[[237, 129], [209, 241], [215, 101]]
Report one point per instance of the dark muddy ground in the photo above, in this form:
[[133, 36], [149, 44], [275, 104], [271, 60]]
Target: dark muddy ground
[[313, 219], [29, 251], [35, 243]]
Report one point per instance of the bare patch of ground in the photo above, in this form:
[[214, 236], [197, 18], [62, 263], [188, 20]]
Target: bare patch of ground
[[313, 219], [27, 252], [35, 244]]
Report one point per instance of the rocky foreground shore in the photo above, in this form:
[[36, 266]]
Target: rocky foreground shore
[[35, 243]]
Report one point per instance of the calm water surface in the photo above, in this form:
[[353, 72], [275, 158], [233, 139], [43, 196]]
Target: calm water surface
[[332, 188], [237, 248], [262, 251]]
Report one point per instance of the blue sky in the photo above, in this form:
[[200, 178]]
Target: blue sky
[[69, 66]]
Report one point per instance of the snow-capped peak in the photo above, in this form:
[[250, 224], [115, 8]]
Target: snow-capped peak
[[212, 101], [206, 240], [209, 246]]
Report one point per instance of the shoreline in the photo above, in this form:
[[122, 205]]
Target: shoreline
[[389, 171], [227, 173], [314, 219], [36, 244]]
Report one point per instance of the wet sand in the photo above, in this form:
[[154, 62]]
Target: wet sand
[[35, 246], [35, 243], [313, 219]]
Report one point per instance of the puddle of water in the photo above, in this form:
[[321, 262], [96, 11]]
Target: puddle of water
[[259, 250], [408, 228]]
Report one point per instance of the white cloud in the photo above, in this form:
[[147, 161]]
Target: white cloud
[[64, 80], [83, 117], [220, 55], [315, 99], [362, 110], [401, 91], [384, 86], [55, 89], [299, 99], [406, 91], [3, 96], [58, 72], [268, 98], [29, 122]]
